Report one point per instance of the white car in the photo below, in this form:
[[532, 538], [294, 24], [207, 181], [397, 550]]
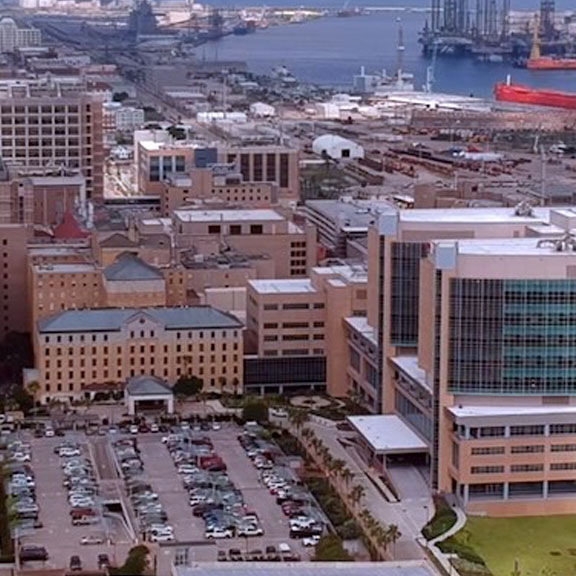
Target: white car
[[133, 429], [310, 541], [216, 426], [248, 531], [89, 540], [154, 428], [162, 537], [218, 533], [49, 433]]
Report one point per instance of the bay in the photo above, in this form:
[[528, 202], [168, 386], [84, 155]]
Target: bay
[[330, 50]]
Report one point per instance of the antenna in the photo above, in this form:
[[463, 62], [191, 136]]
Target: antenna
[[400, 51]]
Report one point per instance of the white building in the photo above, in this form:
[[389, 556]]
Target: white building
[[262, 110], [12, 37], [129, 119], [337, 148]]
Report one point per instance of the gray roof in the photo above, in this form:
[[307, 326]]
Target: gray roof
[[147, 386], [118, 241], [130, 268], [407, 568], [112, 319]]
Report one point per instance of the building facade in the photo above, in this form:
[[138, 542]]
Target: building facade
[[57, 125], [77, 351]]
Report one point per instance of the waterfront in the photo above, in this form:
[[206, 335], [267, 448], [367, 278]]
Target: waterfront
[[329, 51]]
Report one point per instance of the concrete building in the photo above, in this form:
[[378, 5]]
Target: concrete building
[[267, 163], [219, 184], [12, 37], [78, 352], [305, 319], [500, 312], [39, 196], [250, 232], [56, 124], [14, 279]]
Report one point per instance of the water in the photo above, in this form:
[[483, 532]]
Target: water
[[329, 51]]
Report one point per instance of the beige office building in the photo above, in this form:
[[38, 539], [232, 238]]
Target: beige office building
[[78, 352], [59, 125]]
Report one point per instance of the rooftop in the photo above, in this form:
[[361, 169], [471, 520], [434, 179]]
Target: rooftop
[[145, 385], [387, 434], [113, 319], [514, 410], [118, 241], [130, 268], [509, 247], [409, 365], [228, 215], [405, 568], [360, 324], [351, 273], [473, 215], [295, 286]]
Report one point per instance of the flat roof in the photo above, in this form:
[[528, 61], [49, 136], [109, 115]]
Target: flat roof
[[288, 286], [228, 215], [360, 325], [351, 273], [401, 568], [481, 411], [64, 268], [473, 215], [388, 434], [509, 247], [409, 365]]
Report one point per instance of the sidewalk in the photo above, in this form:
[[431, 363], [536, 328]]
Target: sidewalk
[[410, 515]]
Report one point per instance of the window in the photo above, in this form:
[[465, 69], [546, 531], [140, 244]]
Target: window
[[487, 469], [235, 230], [270, 306], [488, 450], [270, 326], [536, 430], [296, 306], [563, 466], [537, 449], [556, 429], [563, 448], [214, 229], [295, 325], [256, 229], [527, 468]]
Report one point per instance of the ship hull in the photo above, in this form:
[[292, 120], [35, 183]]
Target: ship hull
[[525, 95], [551, 64]]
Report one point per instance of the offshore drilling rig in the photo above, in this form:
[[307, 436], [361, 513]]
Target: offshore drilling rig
[[479, 28]]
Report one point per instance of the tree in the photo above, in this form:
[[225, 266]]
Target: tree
[[255, 410], [346, 474], [356, 494], [394, 534], [120, 96], [136, 563], [187, 386], [330, 549], [298, 418], [22, 399]]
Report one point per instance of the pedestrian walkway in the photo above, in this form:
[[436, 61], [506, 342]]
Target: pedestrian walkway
[[410, 515]]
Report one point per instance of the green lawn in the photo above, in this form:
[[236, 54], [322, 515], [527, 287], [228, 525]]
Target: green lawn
[[543, 546]]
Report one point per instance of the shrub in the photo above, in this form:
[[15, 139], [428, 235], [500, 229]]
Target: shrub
[[136, 563], [349, 530], [255, 410], [330, 549], [443, 519]]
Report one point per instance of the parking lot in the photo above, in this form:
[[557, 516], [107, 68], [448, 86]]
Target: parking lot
[[57, 535], [78, 477]]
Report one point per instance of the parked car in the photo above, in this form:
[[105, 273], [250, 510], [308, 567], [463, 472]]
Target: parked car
[[75, 564], [30, 552], [91, 540], [103, 561]]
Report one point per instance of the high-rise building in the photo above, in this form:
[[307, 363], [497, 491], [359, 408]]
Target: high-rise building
[[43, 124]]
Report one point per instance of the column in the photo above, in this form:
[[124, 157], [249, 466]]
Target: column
[[506, 491], [545, 490], [466, 493]]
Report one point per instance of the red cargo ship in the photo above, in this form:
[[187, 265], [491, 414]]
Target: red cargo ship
[[549, 63], [507, 92]]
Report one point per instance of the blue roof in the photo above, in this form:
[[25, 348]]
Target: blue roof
[[112, 319]]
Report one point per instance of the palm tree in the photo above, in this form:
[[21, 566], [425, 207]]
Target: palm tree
[[346, 474], [337, 466], [394, 535], [356, 494], [298, 418], [381, 537]]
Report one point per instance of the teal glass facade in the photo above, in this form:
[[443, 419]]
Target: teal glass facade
[[513, 337]]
